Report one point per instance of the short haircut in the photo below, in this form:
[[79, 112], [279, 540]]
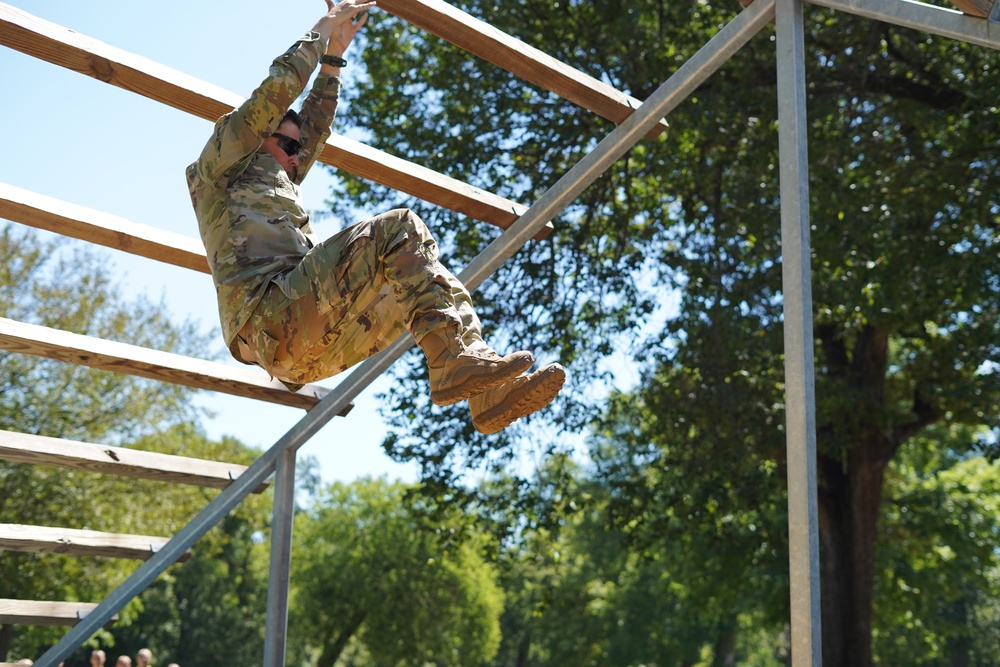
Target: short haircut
[[293, 116]]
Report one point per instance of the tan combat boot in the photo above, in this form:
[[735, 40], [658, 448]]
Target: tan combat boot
[[497, 408], [459, 371]]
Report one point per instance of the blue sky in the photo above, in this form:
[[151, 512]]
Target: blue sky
[[80, 140]]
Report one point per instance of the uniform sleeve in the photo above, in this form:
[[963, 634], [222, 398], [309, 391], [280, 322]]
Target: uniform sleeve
[[317, 115], [240, 133]]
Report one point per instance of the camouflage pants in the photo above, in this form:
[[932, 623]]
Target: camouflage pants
[[361, 288]]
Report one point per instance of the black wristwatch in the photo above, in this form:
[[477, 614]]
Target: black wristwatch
[[333, 61]]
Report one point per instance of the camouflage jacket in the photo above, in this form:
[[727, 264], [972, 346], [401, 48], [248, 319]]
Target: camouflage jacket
[[249, 211]]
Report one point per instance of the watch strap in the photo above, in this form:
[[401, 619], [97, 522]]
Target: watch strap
[[333, 61]]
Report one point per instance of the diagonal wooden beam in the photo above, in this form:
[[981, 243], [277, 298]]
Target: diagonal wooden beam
[[45, 539], [34, 612], [35, 210], [125, 461], [480, 38], [163, 366], [53, 43]]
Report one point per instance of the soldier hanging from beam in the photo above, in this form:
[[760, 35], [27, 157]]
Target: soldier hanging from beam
[[305, 310]]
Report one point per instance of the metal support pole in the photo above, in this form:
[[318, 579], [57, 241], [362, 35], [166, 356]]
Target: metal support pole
[[796, 278], [283, 516], [684, 81]]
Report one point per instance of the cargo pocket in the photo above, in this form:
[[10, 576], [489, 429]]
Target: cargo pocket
[[263, 347], [332, 266]]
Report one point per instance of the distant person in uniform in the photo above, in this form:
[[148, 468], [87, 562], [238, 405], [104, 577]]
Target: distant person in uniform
[[305, 310], [144, 658], [97, 658]]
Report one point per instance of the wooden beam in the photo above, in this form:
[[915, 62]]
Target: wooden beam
[[44, 539], [53, 43], [35, 210], [33, 612], [480, 38], [974, 7], [124, 461], [420, 182], [163, 366]]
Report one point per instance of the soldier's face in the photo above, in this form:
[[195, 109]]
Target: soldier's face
[[272, 147]]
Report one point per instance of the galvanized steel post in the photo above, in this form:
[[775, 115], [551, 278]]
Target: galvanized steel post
[[800, 395], [282, 520]]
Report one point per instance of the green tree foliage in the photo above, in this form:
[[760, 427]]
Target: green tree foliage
[[55, 285], [905, 244], [579, 593], [368, 568], [936, 595]]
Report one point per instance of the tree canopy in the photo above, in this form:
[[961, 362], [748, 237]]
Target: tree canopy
[[904, 244], [369, 570]]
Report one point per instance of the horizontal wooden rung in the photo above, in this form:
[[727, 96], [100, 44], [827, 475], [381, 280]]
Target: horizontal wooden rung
[[163, 366], [136, 463], [45, 539], [53, 215], [495, 46], [34, 612]]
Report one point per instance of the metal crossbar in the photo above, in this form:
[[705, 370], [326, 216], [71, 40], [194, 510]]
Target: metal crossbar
[[926, 18]]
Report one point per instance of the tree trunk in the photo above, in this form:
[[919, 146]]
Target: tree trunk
[[331, 652], [6, 640], [959, 647], [523, 650], [849, 506], [851, 471], [724, 653]]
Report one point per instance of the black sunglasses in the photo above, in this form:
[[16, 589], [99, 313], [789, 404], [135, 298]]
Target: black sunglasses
[[290, 146]]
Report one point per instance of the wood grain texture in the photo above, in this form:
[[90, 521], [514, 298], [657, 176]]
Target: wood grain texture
[[980, 8], [124, 461], [535, 66], [163, 366], [45, 539], [41, 212], [55, 44], [34, 612]]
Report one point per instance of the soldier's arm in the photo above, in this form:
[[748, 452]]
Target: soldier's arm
[[240, 133], [339, 26], [318, 111]]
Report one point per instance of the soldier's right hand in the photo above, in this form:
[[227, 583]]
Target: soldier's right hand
[[338, 26]]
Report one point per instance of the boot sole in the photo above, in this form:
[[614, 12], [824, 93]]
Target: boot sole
[[523, 401], [480, 383]]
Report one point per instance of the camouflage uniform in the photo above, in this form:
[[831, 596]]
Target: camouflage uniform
[[300, 309]]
